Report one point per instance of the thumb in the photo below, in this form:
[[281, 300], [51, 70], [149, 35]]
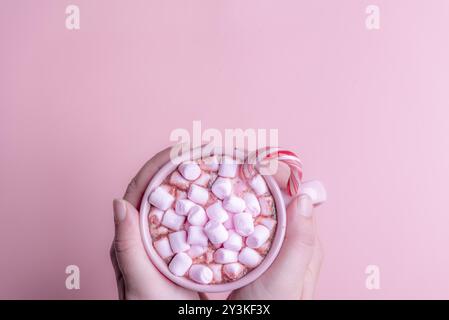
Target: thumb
[[127, 235], [131, 256], [300, 233], [286, 275]]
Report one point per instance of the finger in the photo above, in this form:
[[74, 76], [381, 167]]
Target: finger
[[118, 273], [131, 256], [313, 271], [139, 183], [288, 270]]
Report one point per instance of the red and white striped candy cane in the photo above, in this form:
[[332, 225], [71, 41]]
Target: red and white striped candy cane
[[249, 168]]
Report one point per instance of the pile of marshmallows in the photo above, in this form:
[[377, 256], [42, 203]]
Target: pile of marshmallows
[[209, 223]]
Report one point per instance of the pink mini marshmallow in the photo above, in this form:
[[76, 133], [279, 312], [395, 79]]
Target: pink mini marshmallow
[[269, 223], [222, 188], [229, 224], [216, 270], [216, 232], [198, 194], [263, 249], [189, 170], [201, 274], [196, 236], [155, 216], [225, 256], [161, 198], [210, 163], [228, 167], [163, 248], [252, 203], [258, 237], [196, 251], [315, 190], [178, 241], [249, 257], [234, 242], [180, 264], [172, 220], [178, 181], [197, 216], [203, 180], [259, 185], [233, 270], [217, 212], [234, 204], [243, 223], [183, 206]]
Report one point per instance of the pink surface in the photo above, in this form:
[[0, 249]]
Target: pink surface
[[81, 111]]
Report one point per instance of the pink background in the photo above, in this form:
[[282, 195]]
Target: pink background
[[81, 111]]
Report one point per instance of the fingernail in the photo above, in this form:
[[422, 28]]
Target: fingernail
[[119, 210], [304, 205]]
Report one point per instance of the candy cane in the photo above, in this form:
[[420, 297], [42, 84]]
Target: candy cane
[[249, 168]]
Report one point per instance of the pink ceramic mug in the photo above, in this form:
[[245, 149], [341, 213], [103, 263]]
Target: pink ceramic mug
[[276, 244]]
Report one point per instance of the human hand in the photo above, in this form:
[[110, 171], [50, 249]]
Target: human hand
[[137, 277], [294, 273]]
